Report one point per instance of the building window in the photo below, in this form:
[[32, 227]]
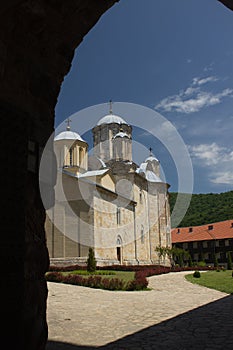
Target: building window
[[80, 157], [210, 227], [194, 245], [227, 242], [222, 243], [71, 156], [205, 245], [185, 245], [216, 243], [222, 256], [178, 230], [118, 216], [142, 234], [140, 197], [190, 229]]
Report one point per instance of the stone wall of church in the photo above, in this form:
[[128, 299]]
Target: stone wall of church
[[142, 222], [113, 221], [159, 224]]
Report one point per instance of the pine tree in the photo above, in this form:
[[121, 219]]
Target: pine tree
[[91, 262]]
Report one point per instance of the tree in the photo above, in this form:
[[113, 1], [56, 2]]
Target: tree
[[162, 252], [179, 255], [91, 262]]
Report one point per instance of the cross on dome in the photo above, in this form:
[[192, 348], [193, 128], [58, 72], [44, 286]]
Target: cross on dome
[[110, 106], [68, 121]]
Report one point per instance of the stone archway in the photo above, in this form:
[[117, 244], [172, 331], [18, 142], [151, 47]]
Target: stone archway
[[37, 43]]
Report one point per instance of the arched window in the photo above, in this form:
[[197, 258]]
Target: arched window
[[142, 234], [118, 213], [71, 156], [80, 156], [119, 241]]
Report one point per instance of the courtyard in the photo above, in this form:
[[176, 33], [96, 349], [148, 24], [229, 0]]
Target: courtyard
[[174, 314]]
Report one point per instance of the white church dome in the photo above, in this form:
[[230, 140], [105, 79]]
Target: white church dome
[[152, 177], [111, 118], [148, 174], [121, 134], [151, 159], [68, 135]]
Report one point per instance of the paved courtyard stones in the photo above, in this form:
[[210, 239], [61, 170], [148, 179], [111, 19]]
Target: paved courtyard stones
[[174, 314]]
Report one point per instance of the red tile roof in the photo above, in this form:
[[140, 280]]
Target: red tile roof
[[220, 230]]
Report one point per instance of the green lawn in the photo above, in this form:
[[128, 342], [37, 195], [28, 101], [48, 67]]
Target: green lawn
[[222, 280], [123, 275]]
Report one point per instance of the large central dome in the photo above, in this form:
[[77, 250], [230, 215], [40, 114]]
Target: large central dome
[[111, 118], [68, 135]]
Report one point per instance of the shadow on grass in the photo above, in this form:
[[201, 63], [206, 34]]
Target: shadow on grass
[[208, 327]]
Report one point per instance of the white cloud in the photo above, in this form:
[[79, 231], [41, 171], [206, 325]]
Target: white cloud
[[202, 81], [219, 159], [223, 178], [193, 99], [209, 154]]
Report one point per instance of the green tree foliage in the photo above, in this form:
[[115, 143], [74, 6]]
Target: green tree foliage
[[91, 262], [205, 208]]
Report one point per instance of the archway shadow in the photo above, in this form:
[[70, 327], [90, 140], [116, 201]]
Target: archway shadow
[[58, 345], [208, 327]]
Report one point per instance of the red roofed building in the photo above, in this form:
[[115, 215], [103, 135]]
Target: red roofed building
[[206, 242]]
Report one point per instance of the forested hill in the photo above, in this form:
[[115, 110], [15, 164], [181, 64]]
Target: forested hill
[[206, 208]]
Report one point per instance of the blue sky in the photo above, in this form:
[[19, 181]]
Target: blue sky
[[175, 58]]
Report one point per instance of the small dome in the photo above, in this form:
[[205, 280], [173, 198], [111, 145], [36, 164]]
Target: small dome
[[148, 174], [95, 163], [68, 135], [121, 134], [152, 177], [111, 118], [151, 159]]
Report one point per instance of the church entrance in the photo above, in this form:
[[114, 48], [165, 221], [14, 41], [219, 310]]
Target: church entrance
[[119, 254], [119, 250]]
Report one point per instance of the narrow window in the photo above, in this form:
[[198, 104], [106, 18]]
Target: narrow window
[[190, 229], [118, 216], [71, 156], [142, 234], [140, 197], [210, 227], [80, 156]]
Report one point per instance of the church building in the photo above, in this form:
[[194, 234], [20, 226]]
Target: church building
[[106, 201]]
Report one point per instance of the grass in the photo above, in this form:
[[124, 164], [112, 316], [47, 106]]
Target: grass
[[126, 276], [219, 280]]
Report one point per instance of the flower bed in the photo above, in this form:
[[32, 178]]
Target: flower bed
[[138, 283]]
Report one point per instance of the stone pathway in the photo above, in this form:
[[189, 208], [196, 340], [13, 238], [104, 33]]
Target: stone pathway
[[174, 313]]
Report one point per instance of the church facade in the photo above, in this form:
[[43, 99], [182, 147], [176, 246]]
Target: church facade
[[106, 201]]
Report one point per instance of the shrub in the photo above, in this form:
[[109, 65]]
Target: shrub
[[54, 277], [91, 262], [140, 282], [197, 274]]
